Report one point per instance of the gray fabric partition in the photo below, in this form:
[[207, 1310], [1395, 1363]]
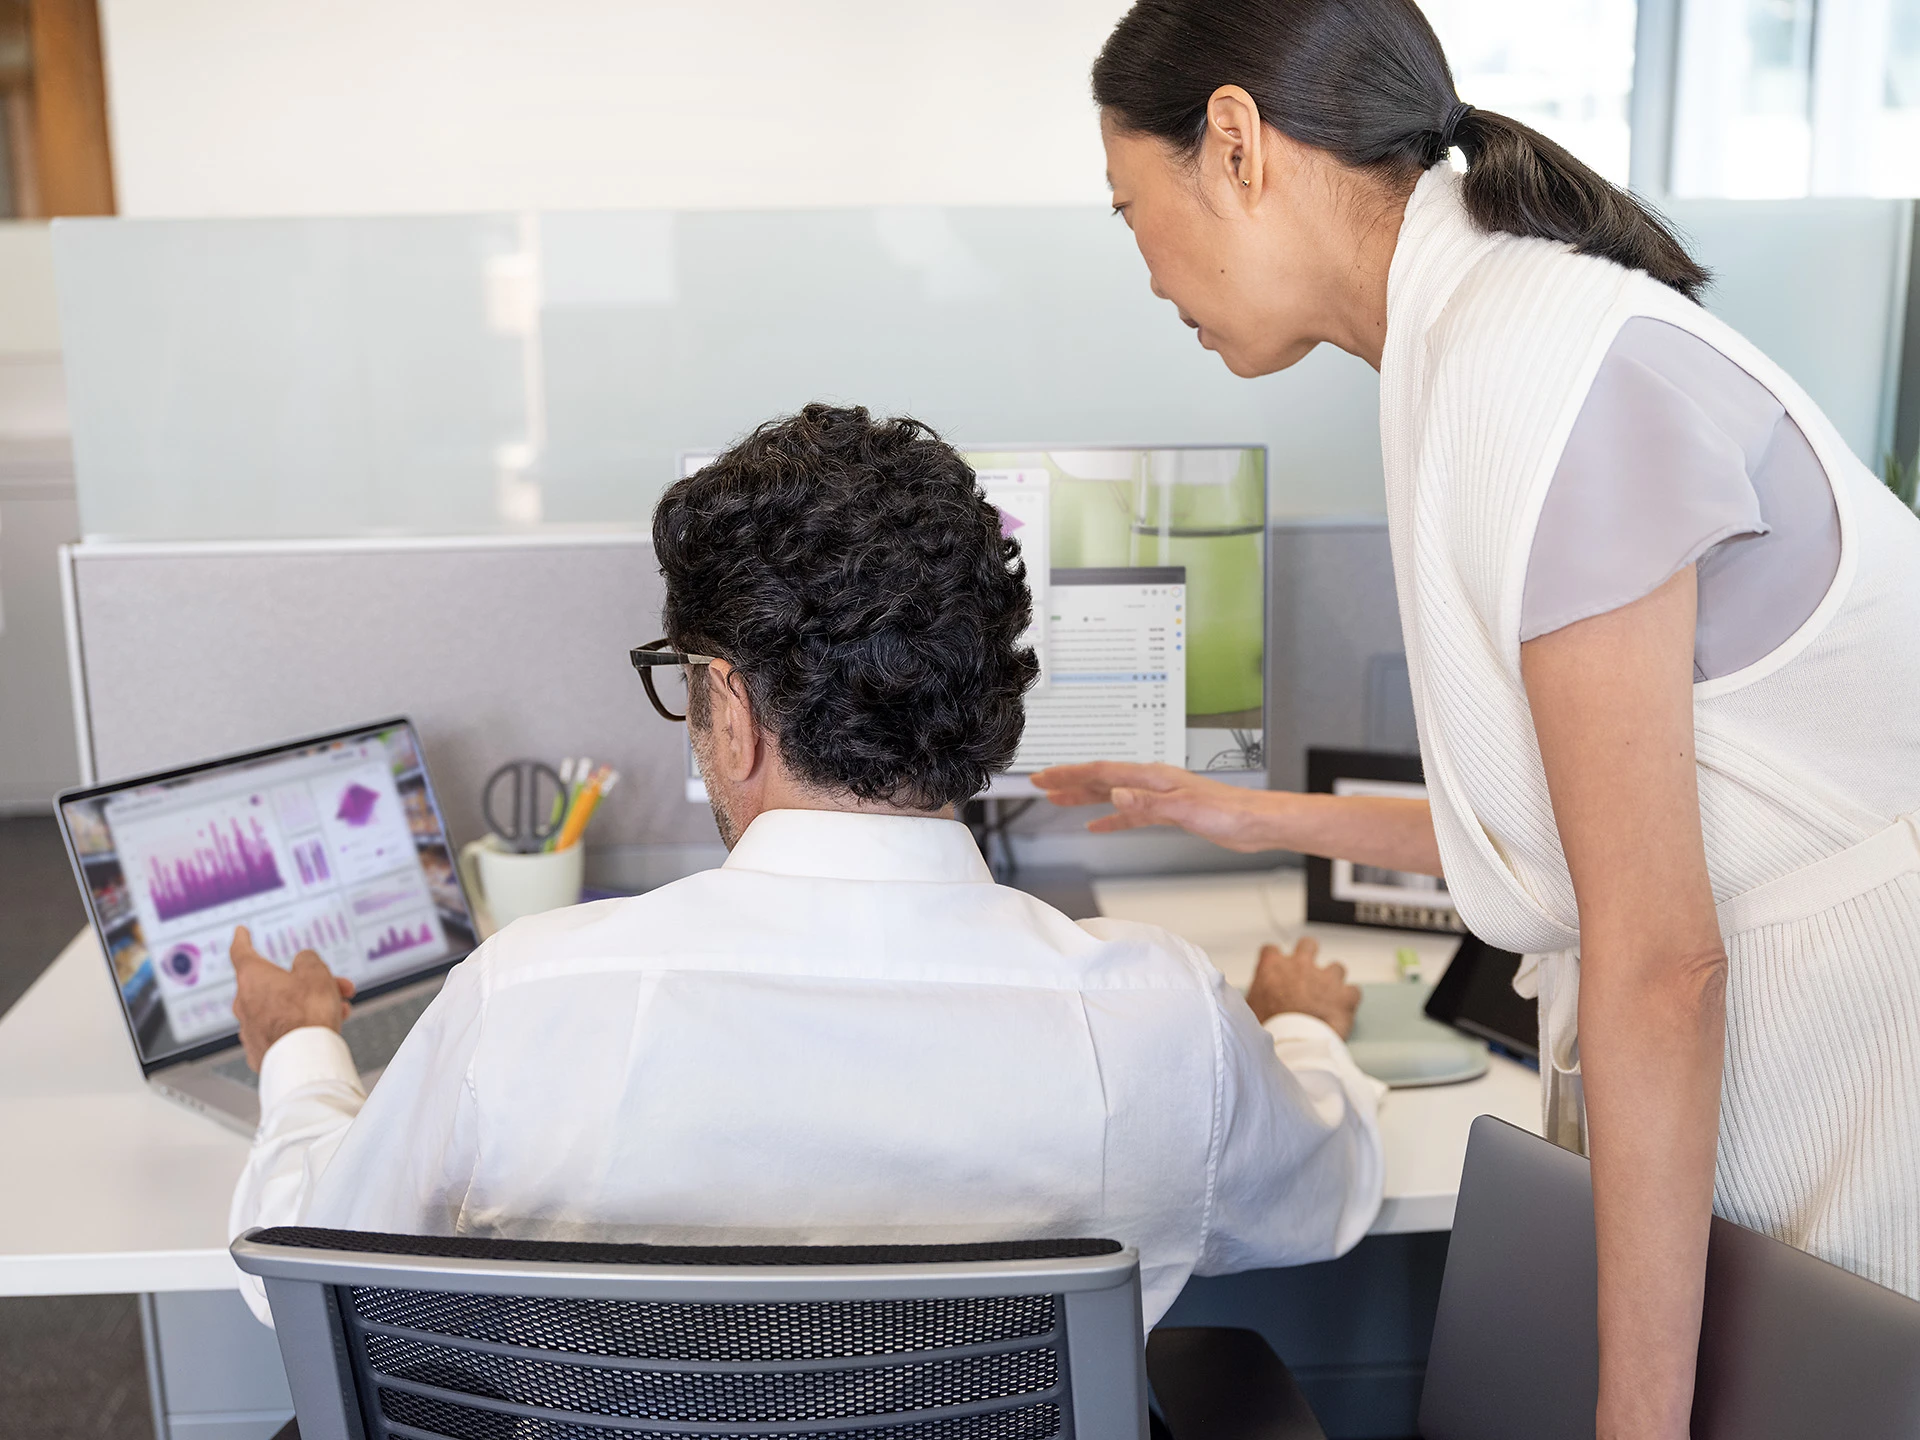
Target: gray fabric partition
[[496, 649], [1336, 666], [506, 647]]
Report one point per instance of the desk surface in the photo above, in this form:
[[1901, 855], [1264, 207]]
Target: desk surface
[[110, 1189]]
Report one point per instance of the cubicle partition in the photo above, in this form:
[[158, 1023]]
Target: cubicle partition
[[508, 646], [497, 647], [357, 388]]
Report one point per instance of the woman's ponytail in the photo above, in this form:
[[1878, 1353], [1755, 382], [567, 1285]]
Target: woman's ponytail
[[1367, 81], [1520, 182]]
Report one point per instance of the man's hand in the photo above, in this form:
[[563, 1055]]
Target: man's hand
[[270, 1001], [1293, 981]]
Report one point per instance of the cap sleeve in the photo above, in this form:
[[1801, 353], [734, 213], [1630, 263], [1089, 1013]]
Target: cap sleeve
[[1649, 482]]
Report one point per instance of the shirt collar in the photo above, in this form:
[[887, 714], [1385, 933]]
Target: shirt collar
[[845, 845]]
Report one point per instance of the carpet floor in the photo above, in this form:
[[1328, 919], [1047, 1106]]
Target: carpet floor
[[71, 1366]]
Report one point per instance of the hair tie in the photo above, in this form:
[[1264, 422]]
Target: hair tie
[[1459, 112]]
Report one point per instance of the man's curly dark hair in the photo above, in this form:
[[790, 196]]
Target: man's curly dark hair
[[856, 577]]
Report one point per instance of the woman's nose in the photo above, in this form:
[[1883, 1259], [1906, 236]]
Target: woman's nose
[[1153, 284]]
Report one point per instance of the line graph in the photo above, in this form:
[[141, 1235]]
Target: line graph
[[377, 900], [222, 864]]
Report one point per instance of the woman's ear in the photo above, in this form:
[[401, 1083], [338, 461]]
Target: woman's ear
[[1233, 155]]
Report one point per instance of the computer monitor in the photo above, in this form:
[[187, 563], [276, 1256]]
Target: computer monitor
[[1149, 576], [1148, 568], [333, 843]]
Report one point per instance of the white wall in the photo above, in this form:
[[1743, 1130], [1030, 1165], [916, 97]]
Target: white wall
[[287, 107]]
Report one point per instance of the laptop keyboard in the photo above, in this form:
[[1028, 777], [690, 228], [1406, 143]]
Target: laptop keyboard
[[372, 1038]]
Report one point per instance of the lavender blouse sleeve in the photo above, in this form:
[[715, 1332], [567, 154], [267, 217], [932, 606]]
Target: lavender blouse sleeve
[[1679, 457]]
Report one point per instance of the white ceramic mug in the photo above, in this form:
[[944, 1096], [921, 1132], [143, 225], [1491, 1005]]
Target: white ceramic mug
[[505, 885]]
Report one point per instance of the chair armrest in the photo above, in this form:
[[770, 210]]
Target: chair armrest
[[1220, 1384]]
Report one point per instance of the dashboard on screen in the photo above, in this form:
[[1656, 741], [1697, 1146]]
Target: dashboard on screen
[[335, 845]]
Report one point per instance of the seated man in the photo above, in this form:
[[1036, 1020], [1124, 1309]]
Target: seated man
[[847, 1032]]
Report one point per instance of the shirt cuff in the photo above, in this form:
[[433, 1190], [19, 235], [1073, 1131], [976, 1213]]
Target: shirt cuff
[[1294, 1025], [300, 1057]]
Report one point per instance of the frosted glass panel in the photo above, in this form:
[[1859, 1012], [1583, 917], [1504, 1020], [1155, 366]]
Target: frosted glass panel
[[476, 373]]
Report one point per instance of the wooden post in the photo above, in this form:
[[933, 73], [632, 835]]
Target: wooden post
[[75, 170]]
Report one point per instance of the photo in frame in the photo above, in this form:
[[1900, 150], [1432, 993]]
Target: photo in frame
[[1340, 892]]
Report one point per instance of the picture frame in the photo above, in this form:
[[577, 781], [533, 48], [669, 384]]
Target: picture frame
[[1340, 892]]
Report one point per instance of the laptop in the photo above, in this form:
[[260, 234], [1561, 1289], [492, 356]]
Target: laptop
[[1790, 1346], [334, 844], [1476, 997]]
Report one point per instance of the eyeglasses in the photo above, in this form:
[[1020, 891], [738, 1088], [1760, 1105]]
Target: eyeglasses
[[646, 658]]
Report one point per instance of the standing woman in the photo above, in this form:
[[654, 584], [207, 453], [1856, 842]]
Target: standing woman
[[1663, 631]]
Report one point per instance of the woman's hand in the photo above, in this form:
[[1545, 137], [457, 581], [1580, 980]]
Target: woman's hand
[[1231, 816], [1366, 829]]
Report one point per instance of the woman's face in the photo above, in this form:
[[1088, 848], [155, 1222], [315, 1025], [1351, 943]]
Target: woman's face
[[1254, 267]]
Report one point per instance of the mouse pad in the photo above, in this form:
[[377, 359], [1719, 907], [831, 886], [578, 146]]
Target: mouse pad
[[1395, 1042]]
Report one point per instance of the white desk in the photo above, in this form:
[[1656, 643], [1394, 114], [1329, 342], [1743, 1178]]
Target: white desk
[[108, 1189]]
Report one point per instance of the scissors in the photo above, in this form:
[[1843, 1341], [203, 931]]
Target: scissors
[[532, 818]]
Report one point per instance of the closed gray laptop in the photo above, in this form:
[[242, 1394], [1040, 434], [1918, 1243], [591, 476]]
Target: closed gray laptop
[[1790, 1346]]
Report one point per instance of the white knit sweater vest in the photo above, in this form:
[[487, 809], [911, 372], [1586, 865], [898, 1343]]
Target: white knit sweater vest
[[1808, 760]]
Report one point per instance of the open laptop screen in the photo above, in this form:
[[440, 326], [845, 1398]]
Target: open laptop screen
[[334, 845]]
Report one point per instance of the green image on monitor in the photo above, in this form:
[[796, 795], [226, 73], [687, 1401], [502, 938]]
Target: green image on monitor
[[1150, 611]]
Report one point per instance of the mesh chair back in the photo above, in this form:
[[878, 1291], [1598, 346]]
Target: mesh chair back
[[419, 1338]]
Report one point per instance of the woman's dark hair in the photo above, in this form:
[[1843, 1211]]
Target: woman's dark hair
[[1367, 82], [858, 580]]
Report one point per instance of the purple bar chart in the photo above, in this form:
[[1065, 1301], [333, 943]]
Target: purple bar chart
[[223, 865], [400, 938], [311, 857], [324, 933]]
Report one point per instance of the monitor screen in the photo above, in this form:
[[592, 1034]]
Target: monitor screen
[[333, 845], [1149, 576], [1148, 569]]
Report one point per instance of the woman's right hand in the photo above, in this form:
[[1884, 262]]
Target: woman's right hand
[[1231, 816], [1393, 833]]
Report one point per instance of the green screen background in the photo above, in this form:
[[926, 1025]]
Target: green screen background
[[1216, 529]]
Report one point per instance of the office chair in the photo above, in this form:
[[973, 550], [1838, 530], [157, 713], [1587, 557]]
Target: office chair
[[395, 1337], [478, 1339]]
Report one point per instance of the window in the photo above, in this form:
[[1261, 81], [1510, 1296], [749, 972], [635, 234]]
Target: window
[[1565, 68], [1780, 98]]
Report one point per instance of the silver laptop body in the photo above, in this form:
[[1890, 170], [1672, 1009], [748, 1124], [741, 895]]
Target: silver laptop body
[[333, 843], [1790, 1346]]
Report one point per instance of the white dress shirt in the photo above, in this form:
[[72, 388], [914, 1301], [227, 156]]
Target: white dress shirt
[[848, 1032]]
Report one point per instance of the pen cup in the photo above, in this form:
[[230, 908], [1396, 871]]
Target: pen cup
[[506, 885]]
